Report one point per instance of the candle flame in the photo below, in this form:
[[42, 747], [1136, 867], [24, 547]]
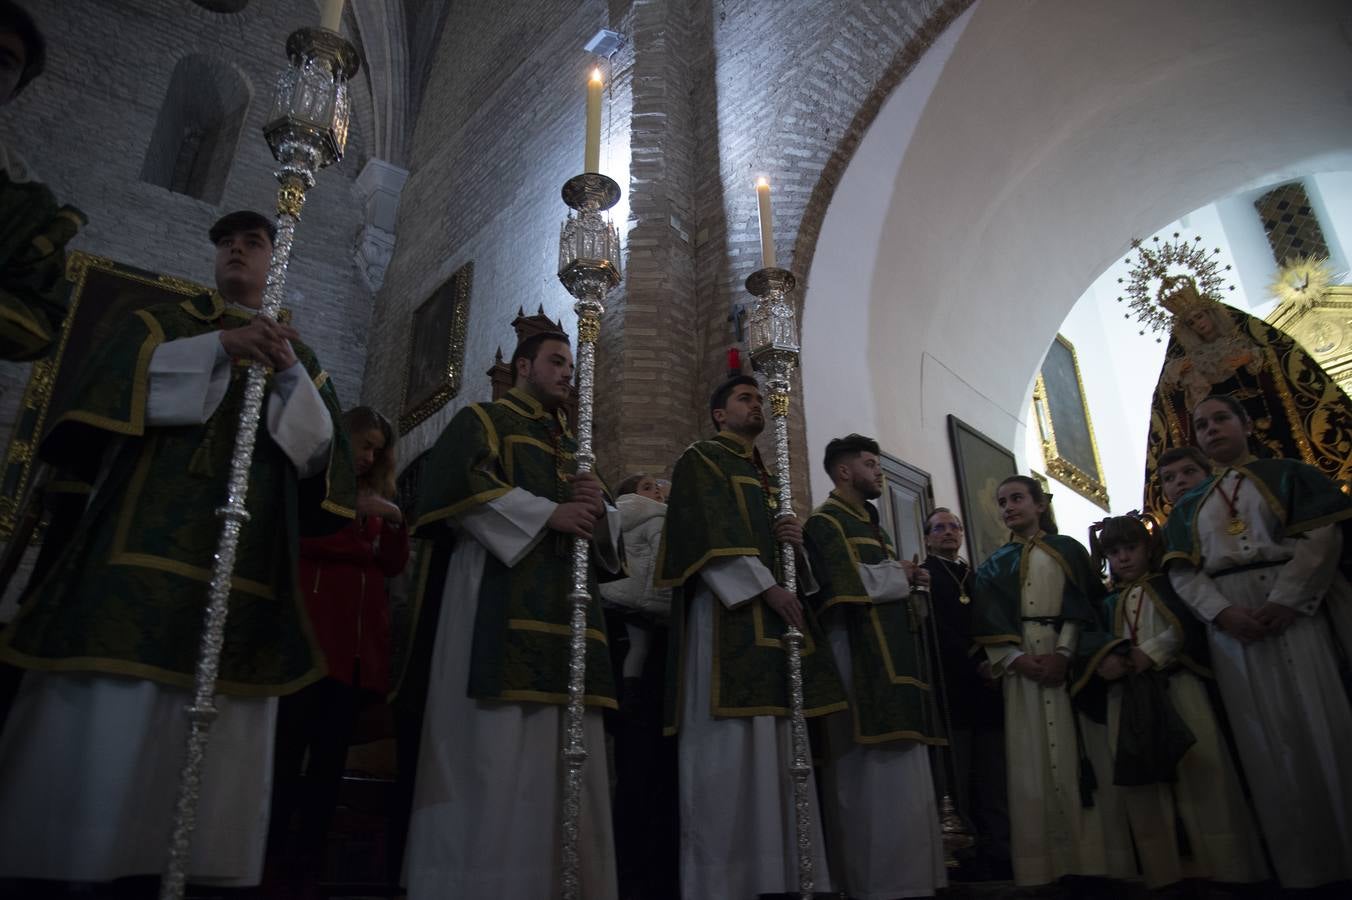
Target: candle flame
[[596, 75], [762, 181]]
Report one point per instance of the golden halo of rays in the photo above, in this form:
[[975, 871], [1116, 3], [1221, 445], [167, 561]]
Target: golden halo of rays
[[1156, 260], [1302, 280]]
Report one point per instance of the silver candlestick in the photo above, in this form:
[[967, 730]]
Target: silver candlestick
[[307, 130], [772, 340], [589, 266]]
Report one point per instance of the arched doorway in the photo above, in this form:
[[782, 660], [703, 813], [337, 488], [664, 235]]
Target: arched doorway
[[1013, 166]]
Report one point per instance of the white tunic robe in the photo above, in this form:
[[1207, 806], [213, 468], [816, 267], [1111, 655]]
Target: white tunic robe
[[488, 798], [879, 798], [1286, 704], [89, 764], [1051, 834], [1207, 797], [738, 834]]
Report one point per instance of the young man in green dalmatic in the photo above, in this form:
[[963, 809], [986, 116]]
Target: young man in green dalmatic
[[727, 684], [110, 636], [879, 792], [501, 498]]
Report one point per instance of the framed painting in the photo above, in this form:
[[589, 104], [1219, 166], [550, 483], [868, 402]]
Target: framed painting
[[103, 292], [1064, 425], [907, 498], [981, 465], [436, 349]]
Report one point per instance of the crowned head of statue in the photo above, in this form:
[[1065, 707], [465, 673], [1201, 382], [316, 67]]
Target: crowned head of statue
[[1190, 308]]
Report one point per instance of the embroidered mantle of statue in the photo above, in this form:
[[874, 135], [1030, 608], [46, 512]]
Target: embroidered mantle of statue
[[1298, 411]]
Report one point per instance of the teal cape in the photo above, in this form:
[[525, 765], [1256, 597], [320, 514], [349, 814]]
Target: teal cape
[[128, 595], [1300, 496], [996, 614], [1196, 653], [1152, 737], [997, 619]]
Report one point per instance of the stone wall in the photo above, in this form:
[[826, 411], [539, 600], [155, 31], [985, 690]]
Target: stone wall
[[500, 129], [792, 89], [707, 95], [86, 126]]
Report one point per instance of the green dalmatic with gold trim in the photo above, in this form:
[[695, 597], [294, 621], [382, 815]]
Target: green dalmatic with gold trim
[[892, 700], [722, 504], [520, 650], [129, 593], [34, 231]]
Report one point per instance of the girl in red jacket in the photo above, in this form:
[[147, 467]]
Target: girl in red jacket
[[343, 577]]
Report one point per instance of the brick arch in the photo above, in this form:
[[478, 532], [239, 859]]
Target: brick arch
[[903, 61], [986, 203], [809, 227], [856, 55]]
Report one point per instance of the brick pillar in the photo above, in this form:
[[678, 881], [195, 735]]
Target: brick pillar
[[653, 369]]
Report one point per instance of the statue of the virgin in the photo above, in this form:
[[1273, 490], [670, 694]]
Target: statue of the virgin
[[1298, 411]]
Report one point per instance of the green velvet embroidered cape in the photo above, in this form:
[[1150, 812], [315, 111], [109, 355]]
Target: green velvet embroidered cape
[[520, 649], [128, 596], [722, 505], [1091, 692], [891, 699], [1299, 495], [996, 615], [1196, 653]]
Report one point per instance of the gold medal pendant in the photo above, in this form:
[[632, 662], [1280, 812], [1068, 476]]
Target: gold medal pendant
[[964, 599], [1236, 526]]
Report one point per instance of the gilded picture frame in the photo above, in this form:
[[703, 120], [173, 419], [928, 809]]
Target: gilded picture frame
[[981, 464], [102, 293], [1047, 492], [436, 349], [1069, 449]]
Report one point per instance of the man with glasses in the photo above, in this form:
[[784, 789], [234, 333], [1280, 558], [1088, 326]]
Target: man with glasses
[[975, 705]]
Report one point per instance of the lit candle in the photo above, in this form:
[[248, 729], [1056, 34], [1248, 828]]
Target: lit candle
[[766, 223], [592, 158], [332, 16]]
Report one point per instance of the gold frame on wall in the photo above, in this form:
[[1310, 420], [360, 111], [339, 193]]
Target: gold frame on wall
[[1089, 485], [1047, 492], [435, 394], [980, 464]]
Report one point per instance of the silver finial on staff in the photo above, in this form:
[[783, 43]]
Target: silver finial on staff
[[772, 340], [589, 266]]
